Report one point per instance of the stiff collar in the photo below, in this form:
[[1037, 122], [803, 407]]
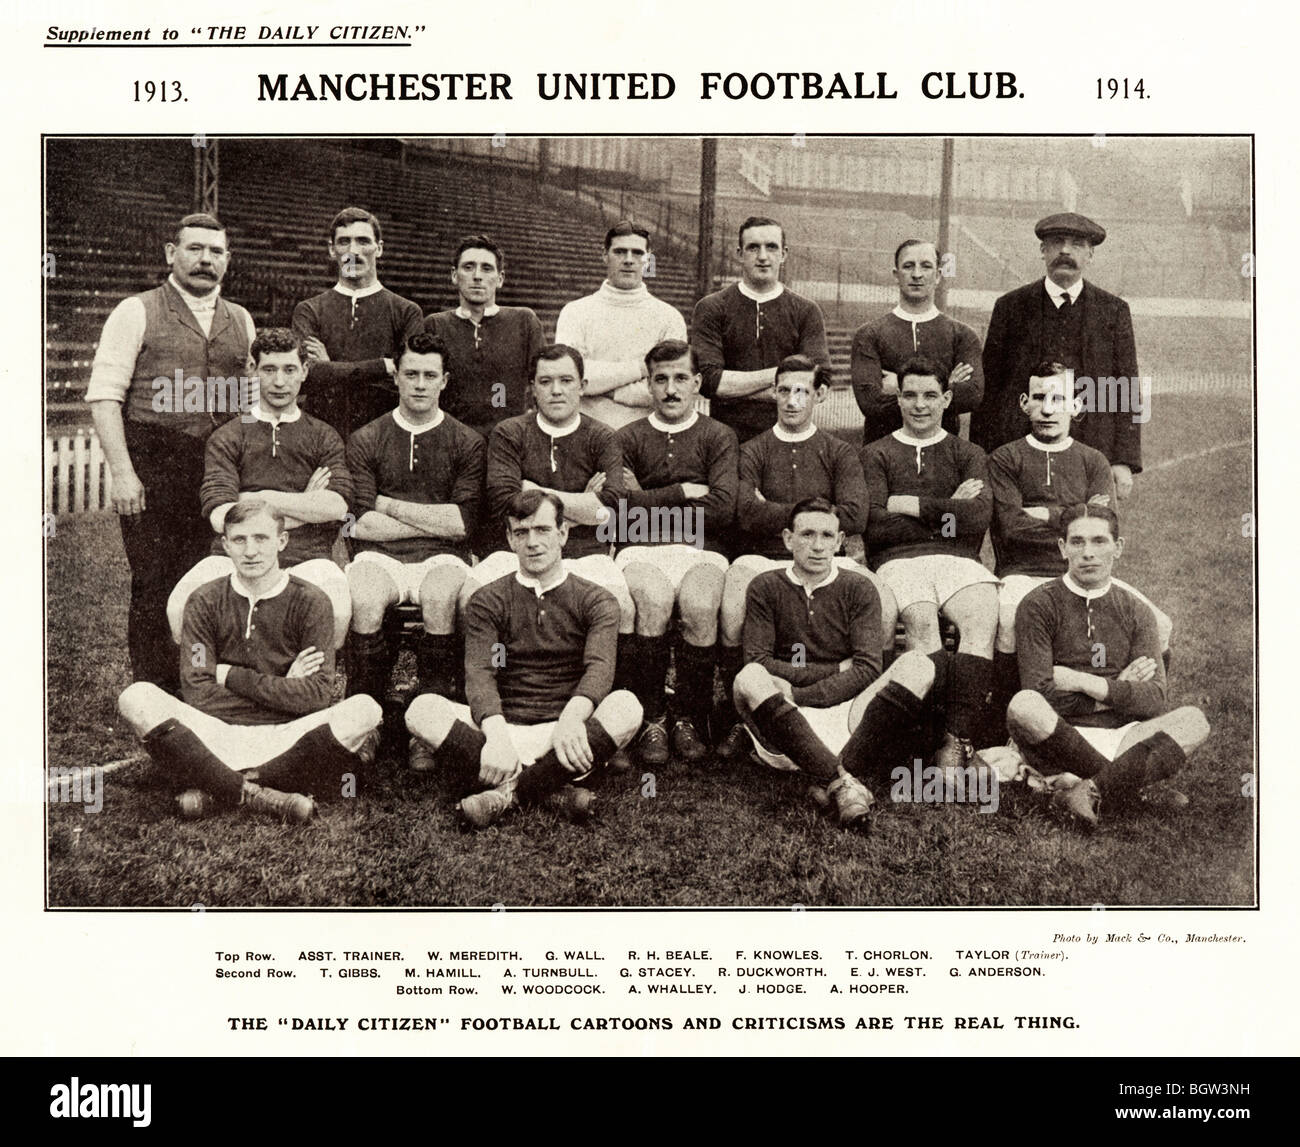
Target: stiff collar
[[766, 297], [552, 431], [1050, 447], [535, 584], [359, 292], [199, 304], [907, 440], [411, 428], [811, 589], [784, 435], [275, 419], [1056, 293], [488, 312], [673, 427], [924, 317], [280, 586], [1087, 594]]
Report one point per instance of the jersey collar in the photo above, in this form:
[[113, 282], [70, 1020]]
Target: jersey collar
[[559, 431], [535, 583], [907, 440], [359, 292], [812, 589], [275, 591], [275, 419], [673, 428], [784, 435], [1087, 594], [908, 317], [766, 297], [488, 312], [1050, 447], [411, 428]]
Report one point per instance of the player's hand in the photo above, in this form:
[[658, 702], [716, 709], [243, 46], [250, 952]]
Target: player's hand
[[1065, 678], [571, 746], [971, 488], [960, 373], [758, 495], [1038, 513], [695, 489], [629, 480], [128, 494], [1141, 669], [1123, 481], [306, 663], [596, 483], [1099, 500], [320, 480], [889, 382], [315, 349], [497, 762]]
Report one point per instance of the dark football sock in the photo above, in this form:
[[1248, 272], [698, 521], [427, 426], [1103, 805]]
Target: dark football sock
[[694, 692], [1065, 751], [435, 663], [786, 730], [178, 750], [314, 764], [370, 662], [731, 659], [1006, 683], [643, 666], [972, 677], [884, 734], [546, 775], [1153, 759], [459, 757]]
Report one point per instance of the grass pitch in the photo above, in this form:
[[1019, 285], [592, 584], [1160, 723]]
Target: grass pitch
[[716, 835]]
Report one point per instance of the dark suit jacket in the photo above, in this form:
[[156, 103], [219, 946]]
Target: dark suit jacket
[[1013, 347]]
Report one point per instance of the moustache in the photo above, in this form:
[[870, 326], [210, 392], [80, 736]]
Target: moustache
[[1064, 261]]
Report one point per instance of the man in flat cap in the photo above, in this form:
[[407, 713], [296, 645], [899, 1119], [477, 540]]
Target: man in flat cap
[[1066, 319]]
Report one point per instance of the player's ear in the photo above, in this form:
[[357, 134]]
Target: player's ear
[[1024, 403], [282, 540], [1060, 545], [1119, 548], [822, 391], [788, 538]]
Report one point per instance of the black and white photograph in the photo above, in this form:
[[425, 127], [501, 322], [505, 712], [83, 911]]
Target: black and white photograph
[[738, 521]]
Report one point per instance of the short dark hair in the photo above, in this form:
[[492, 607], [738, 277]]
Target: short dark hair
[[350, 215], [816, 505], [757, 221], [921, 366], [485, 242], [276, 340], [801, 363], [1089, 510], [242, 511], [670, 350], [422, 342], [199, 219], [527, 502], [906, 243], [627, 227], [1047, 368], [553, 353]]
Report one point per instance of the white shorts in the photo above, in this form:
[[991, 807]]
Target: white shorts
[[323, 573], [407, 576], [1106, 741], [674, 561], [597, 568], [830, 724], [1016, 587], [530, 741], [241, 747], [933, 578]]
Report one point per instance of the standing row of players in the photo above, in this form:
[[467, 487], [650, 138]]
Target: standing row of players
[[419, 482]]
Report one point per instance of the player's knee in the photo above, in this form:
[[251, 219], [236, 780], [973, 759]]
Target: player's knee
[[914, 671], [430, 717], [355, 717], [143, 706], [1029, 715], [1189, 727], [620, 716], [753, 686]]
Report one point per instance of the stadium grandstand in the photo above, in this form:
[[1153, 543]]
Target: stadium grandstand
[[1177, 211]]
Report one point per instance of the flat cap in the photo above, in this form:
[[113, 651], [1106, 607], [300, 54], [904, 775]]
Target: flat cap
[[1068, 223]]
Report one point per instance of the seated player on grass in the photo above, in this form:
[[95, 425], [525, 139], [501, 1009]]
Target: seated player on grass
[[1033, 478], [930, 506], [256, 727], [540, 646], [679, 478], [1093, 694], [812, 672], [280, 455], [561, 451], [792, 461], [417, 476]]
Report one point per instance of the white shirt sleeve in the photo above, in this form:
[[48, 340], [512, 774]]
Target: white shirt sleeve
[[119, 347]]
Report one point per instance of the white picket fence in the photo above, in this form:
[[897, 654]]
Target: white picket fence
[[77, 477]]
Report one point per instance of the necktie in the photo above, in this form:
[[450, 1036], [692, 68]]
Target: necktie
[[1065, 303]]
